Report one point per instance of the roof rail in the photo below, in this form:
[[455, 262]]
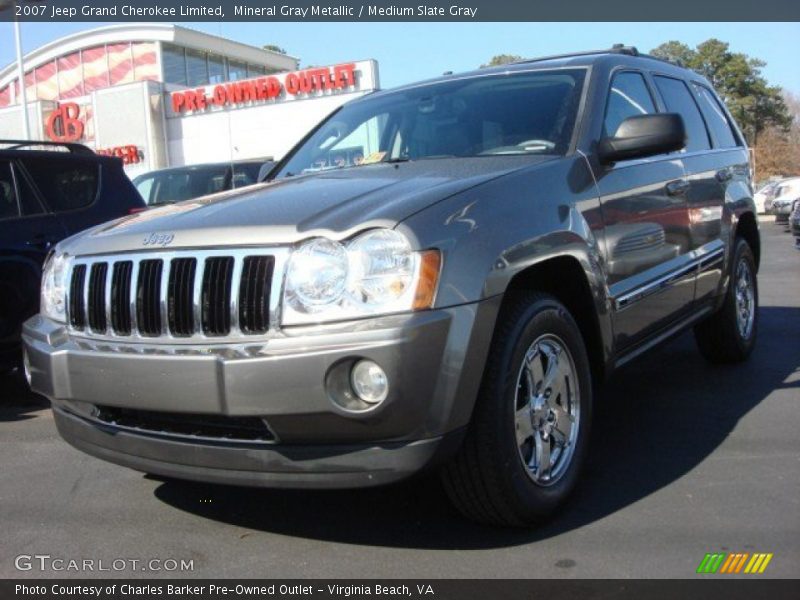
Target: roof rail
[[71, 147], [615, 49]]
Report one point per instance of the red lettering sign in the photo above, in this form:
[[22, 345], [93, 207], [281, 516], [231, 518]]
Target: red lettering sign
[[129, 154], [64, 124], [306, 82]]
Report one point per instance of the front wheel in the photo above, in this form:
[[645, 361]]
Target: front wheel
[[729, 335], [529, 431]]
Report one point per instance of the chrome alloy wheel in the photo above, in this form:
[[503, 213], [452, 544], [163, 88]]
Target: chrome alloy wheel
[[745, 299], [547, 410]]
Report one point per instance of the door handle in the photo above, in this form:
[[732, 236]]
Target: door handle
[[679, 187], [724, 175]]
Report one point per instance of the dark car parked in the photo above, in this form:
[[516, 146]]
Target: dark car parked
[[794, 223], [47, 193], [167, 186], [438, 276]]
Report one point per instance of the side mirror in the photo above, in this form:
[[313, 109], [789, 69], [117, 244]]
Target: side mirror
[[642, 136]]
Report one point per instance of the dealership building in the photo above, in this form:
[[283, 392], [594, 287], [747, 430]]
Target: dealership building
[[160, 95]]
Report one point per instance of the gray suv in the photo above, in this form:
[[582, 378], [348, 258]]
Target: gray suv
[[437, 276]]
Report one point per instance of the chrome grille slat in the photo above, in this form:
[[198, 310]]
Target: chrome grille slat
[[178, 296], [96, 297], [77, 301], [107, 296], [180, 313], [148, 297], [216, 310], [121, 298]]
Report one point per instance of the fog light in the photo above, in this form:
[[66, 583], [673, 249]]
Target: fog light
[[369, 382]]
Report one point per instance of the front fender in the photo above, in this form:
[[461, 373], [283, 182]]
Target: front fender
[[491, 233]]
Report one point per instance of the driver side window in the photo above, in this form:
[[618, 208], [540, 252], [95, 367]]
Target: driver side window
[[628, 97]]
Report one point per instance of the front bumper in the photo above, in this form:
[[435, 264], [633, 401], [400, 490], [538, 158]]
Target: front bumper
[[320, 466], [433, 361]]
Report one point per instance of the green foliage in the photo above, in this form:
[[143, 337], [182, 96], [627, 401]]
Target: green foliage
[[737, 78], [502, 59], [274, 48]]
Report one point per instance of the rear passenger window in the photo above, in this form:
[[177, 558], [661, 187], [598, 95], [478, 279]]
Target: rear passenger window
[[678, 99], [9, 208], [721, 131], [66, 184], [628, 97]]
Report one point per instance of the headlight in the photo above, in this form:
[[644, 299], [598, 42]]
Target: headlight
[[54, 287], [317, 274], [375, 273]]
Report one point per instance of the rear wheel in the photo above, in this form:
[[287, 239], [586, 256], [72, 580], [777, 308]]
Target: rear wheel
[[527, 440], [729, 335]]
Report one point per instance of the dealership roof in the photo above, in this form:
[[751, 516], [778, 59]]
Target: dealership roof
[[154, 32]]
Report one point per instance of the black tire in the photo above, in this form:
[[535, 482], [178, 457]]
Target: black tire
[[719, 337], [487, 481]]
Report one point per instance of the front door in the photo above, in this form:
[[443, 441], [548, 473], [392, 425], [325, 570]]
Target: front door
[[647, 229]]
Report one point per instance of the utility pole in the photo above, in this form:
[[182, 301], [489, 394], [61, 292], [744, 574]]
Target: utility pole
[[26, 126]]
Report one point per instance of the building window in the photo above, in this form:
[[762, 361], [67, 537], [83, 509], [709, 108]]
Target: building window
[[70, 76], [145, 63], [196, 68], [256, 70], [47, 81], [237, 70], [216, 69], [173, 60], [120, 63], [95, 69]]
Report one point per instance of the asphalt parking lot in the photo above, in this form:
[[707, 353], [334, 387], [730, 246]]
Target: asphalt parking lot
[[687, 459]]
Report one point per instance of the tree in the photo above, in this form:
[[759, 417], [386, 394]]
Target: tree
[[756, 105], [274, 48], [778, 151], [502, 59]]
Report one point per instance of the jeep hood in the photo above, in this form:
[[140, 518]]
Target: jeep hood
[[336, 203]]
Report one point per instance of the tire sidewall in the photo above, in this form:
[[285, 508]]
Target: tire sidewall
[[541, 317], [742, 252]]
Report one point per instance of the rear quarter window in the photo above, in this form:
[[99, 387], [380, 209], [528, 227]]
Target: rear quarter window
[[717, 120], [65, 184]]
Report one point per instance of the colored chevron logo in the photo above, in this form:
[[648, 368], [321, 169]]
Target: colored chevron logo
[[731, 563]]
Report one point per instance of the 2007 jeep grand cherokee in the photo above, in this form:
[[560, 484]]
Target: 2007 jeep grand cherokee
[[437, 275]]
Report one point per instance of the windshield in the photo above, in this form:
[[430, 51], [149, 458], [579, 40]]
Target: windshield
[[507, 114]]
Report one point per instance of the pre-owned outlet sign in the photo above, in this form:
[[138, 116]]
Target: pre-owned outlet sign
[[308, 83]]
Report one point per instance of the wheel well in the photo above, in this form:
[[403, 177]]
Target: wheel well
[[564, 278], [747, 229]]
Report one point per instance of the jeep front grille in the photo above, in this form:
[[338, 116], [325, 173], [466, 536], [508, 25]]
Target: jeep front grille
[[177, 295]]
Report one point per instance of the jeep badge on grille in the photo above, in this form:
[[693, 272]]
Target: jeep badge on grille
[[159, 239]]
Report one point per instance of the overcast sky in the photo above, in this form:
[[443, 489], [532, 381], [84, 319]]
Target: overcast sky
[[411, 51]]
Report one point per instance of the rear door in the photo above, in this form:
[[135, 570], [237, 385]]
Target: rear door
[[647, 232], [27, 232], [711, 160]]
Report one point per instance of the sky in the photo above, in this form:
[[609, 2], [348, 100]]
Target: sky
[[408, 52]]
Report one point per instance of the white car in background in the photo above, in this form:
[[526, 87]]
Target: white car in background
[[763, 195], [785, 195]]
